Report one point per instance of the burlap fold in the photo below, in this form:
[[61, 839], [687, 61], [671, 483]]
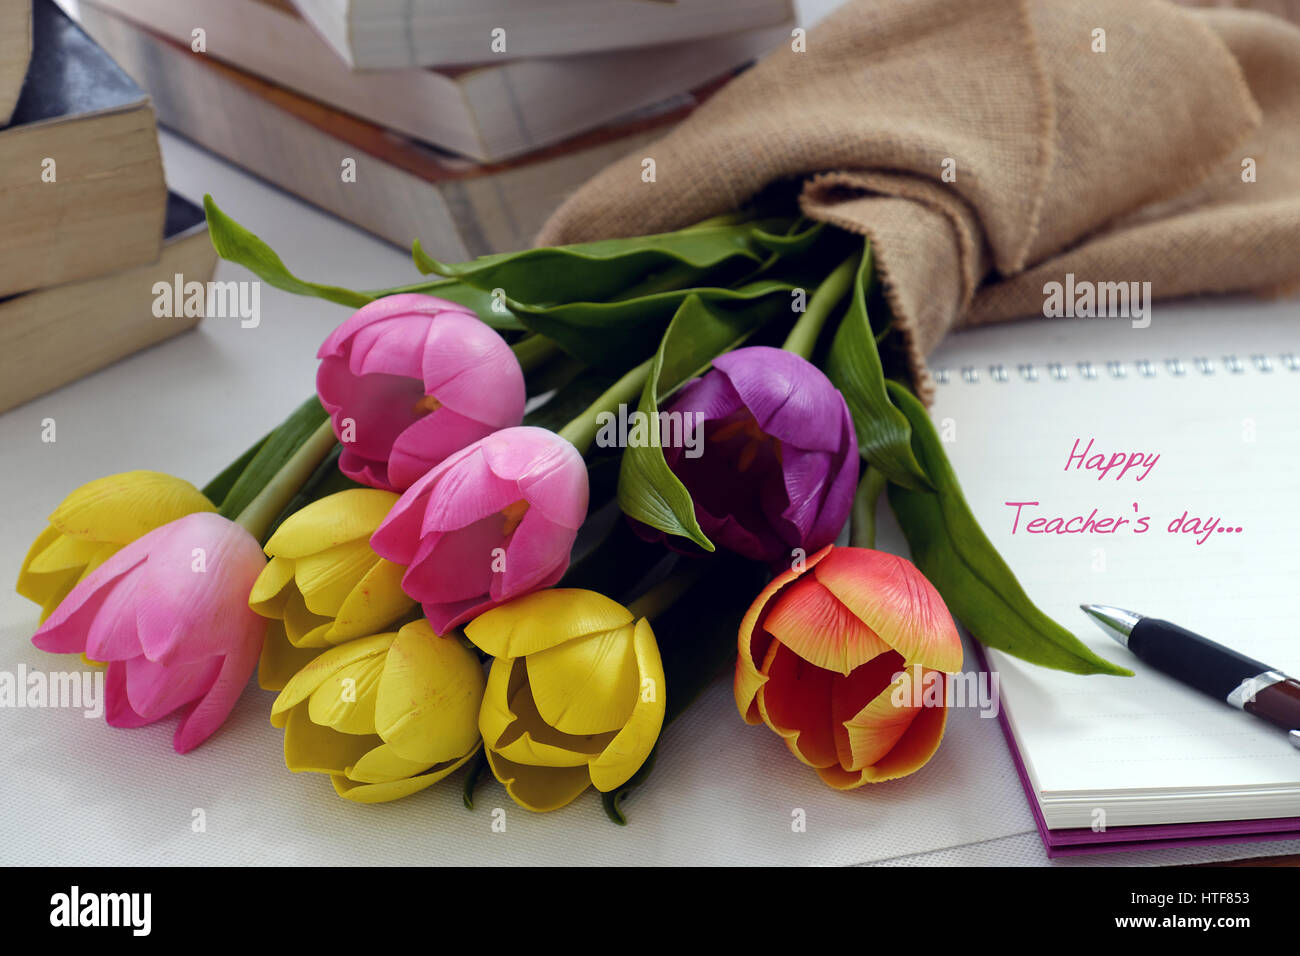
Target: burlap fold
[[1122, 164]]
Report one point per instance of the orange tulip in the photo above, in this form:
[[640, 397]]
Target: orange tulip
[[827, 658]]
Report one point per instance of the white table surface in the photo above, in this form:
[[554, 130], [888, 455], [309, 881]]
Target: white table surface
[[80, 792]]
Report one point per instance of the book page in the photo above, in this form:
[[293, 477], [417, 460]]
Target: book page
[[1173, 495]]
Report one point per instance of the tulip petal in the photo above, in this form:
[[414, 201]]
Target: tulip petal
[[63, 553], [530, 741], [865, 732], [505, 677], [795, 702], [587, 685], [544, 619], [469, 367], [539, 789], [308, 747], [444, 617], [812, 623], [533, 551], [280, 660], [429, 696], [467, 493], [383, 308], [345, 700], [457, 565], [790, 397], [632, 745], [186, 609], [896, 601], [710, 395], [112, 634], [269, 594], [553, 480], [383, 765], [336, 519], [392, 347], [753, 640], [327, 578], [396, 789], [376, 602], [301, 626], [66, 629], [913, 750], [211, 711], [117, 707], [429, 440], [121, 508], [304, 683], [155, 690]]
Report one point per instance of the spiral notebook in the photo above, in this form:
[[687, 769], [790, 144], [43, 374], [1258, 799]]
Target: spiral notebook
[[1204, 408]]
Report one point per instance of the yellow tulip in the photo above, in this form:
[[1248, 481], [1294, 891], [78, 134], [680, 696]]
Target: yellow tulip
[[94, 523], [324, 585], [575, 697], [385, 716]]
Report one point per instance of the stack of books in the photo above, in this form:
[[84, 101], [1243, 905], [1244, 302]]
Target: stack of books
[[462, 123], [89, 227]]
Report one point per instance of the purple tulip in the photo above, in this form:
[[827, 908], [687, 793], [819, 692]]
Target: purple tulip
[[779, 461]]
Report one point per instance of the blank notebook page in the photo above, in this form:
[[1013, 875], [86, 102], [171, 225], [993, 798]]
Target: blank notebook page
[[1146, 749]]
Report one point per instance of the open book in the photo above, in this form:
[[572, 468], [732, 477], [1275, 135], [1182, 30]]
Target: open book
[[1208, 395]]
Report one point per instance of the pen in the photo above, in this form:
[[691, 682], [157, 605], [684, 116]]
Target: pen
[[1217, 670]]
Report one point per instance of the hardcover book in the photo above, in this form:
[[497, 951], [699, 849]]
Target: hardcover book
[[80, 168]]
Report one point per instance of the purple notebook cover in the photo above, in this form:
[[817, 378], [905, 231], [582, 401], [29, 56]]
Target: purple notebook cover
[[1085, 840]]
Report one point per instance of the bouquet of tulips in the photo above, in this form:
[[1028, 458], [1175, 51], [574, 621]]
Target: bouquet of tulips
[[538, 501]]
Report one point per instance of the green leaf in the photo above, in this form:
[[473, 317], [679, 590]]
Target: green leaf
[[595, 271], [217, 489], [798, 239], [951, 550], [273, 453], [853, 365], [492, 310], [236, 244], [601, 333], [699, 332]]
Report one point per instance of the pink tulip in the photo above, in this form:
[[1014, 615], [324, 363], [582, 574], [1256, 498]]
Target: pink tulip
[[492, 522], [169, 614], [408, 380]]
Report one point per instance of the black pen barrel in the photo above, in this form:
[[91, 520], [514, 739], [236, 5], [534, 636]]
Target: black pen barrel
[[1201, 663]]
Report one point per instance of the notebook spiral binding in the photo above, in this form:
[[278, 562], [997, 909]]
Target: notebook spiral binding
[[1143, 368]]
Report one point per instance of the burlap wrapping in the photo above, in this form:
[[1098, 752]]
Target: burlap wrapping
[[1122, 165]]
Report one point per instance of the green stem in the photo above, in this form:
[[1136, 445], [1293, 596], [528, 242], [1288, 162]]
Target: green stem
[[862, 520], [534, 350], [803, 337], [581, 432], [667, 592], [293, 474]]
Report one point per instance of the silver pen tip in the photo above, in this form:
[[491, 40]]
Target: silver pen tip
[[1294, 737], [1116, 622]]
